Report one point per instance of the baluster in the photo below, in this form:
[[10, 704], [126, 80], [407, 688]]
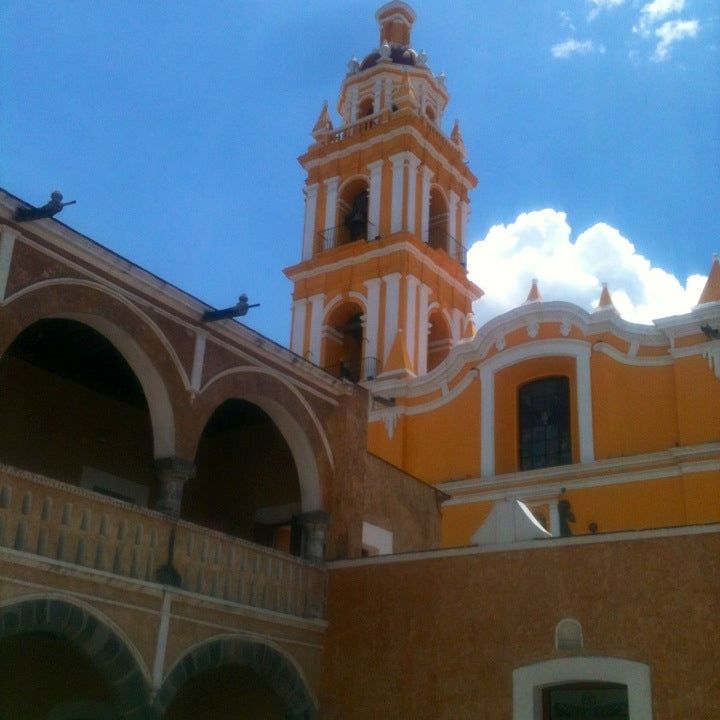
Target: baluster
[[46, 514], [21, 535]]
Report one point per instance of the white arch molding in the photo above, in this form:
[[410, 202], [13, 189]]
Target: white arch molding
[[529, 681]]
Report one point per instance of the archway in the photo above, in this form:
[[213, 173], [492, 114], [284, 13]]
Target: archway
[[73, 409], [344, 346], [247, 482], [59, 661], [438, 234], [250, 679], [439, 339]]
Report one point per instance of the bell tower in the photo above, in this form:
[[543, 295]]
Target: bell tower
[[382, 289]]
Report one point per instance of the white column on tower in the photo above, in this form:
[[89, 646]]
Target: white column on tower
[[453, 200], [375, 169], [372, 317], [377, 94], [398, 185], [411, 318], [412, 164], [331, 193], [317, 310], [464, 214], [423, 329], [311, 192], [392, 311], [353, 101], [427, 174], [297, 339]]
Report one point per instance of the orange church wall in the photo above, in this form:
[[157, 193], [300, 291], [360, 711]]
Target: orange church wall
[[445, 444], [698, 401], [459, 522], [633, 408]]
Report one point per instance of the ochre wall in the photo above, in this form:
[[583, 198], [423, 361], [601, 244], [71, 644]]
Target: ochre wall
[[439, 638]]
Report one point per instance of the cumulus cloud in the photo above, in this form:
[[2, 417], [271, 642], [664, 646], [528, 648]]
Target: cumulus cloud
[[597, 6], [575, 47], [671, 32], [539, 244], [654, 12]]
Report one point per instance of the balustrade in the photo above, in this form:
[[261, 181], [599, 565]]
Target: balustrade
[[50, 519]]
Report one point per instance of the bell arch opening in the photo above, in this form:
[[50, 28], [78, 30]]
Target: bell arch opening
[[73, 409], [247, 482], [353, 207], [439, 339], [438, 233], [344, 344]]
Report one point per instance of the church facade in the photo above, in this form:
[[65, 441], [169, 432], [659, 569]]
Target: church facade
[[399, 516]]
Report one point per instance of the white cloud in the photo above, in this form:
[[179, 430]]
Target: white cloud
[[599, 5], [566, 21], [654, 12], [576, 47], [539, 244], [671, 32]]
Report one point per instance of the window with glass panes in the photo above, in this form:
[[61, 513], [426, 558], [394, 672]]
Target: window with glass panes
[[544, 423]]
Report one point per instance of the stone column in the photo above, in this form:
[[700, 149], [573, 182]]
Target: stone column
[[172, 474], [314, 530]]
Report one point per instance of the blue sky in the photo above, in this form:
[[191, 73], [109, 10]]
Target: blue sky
[[593, 126]]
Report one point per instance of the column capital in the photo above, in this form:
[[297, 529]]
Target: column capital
[[172, 474]]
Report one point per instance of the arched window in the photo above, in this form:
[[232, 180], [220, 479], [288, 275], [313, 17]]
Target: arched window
[[366, 108], [544, 423]]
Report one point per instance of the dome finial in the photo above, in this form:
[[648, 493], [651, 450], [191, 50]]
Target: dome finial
[[396, 19]]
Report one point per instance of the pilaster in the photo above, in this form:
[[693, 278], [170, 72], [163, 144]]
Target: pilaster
[[311, 193]]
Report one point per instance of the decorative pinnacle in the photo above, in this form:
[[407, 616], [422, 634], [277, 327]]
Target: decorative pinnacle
[[323, 123]]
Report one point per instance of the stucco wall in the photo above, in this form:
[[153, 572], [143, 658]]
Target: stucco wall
[[439, 637]]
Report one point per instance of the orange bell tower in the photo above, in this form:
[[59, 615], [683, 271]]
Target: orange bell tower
[[382, 289]]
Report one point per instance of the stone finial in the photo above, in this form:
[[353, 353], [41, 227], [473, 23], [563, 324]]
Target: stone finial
[[422, 59], [353, 66], [385, 51], [404, 95], [711, 291], [323, 123], [534, 294], [456, 137], [441, 78]]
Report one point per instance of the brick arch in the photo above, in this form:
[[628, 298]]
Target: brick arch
[[129, 330], [94, 636], [270, 662], [292, 414]]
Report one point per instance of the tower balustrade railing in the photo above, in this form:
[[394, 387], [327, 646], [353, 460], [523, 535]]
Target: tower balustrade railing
[[333, 237], [50, 519], [440, 239], [357, 370]]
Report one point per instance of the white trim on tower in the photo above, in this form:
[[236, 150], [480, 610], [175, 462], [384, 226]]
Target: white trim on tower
[[311, 193]]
